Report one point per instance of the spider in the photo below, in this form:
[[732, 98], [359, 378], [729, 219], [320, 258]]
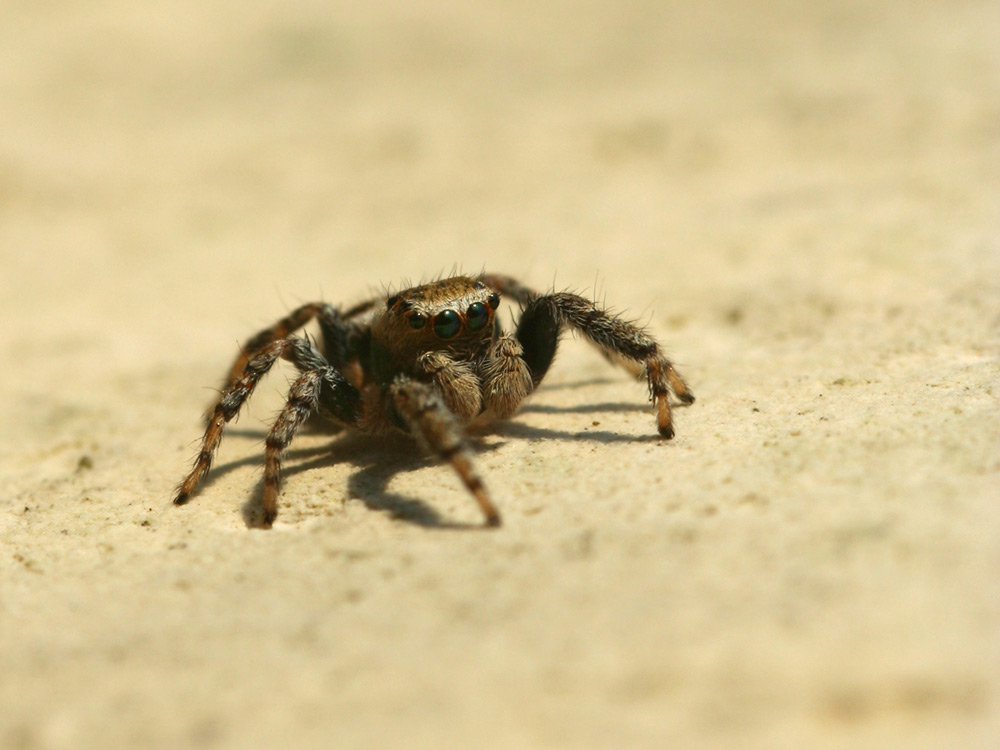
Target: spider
[[427, 360]]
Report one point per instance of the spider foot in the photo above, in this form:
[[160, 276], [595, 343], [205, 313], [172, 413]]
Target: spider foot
[[664, 419], [266, 519], [493, 521]]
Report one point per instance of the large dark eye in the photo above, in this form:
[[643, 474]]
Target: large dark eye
[[494, 301], [447, 324], [477, 316], [417, 320]]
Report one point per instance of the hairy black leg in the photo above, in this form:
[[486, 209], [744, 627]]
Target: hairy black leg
[[279, 330], [303, 398], [343, 339], [347, 339], [302, 353], [424, 412], [225, 409], [319, 387], [538, 333], [540, 325], [538, 330], [338, 399], [543, 318], [335, 332], [523, 295]]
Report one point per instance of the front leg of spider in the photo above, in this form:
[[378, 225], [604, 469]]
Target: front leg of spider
[[424, 412], [545, 316]]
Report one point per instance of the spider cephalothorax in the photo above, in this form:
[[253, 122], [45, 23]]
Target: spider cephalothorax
[[427, 361], [454, 315]]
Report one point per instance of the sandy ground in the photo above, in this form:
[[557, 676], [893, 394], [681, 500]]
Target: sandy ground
[[801, 200]]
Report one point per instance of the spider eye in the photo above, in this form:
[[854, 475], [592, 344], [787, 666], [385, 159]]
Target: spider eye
[[417, 320], [447, 324], [494, 300], [477, 316]]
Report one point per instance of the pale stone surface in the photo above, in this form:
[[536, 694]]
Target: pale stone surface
[[801, 200]]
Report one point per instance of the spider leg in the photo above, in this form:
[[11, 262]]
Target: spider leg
[[321, 387], [345, 341], [338, 330], [424, 412], [337, 398], [362, 308], [303, 398], [518, 292], [280, 330], [508, 286], [545, 316], [225, 409]]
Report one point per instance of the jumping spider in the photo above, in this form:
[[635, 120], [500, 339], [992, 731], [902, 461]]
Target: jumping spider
[[427, 361]]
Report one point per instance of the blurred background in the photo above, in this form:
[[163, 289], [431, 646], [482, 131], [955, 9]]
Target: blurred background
[[192, 154]]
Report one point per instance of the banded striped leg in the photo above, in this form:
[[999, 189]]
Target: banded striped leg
[[303, 398], [319, 386], [543, 319], [280, 330], [425, 413], [511, 287], [322, 387], [227, 407]]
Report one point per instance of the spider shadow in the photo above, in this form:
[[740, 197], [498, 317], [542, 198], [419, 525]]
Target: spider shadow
[[377, 460], [528, 432], [220, 470], [583, 408], [574, 384]]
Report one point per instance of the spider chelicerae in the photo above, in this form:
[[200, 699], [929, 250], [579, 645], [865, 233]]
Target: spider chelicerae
[[427, 360]]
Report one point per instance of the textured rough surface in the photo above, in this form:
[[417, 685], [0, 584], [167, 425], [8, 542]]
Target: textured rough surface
[[802, 200]]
